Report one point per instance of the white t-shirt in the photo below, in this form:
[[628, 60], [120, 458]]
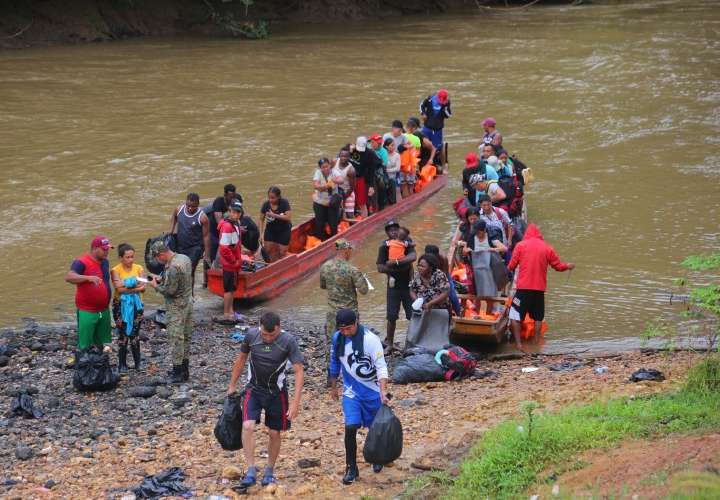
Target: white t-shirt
[[321, 197]]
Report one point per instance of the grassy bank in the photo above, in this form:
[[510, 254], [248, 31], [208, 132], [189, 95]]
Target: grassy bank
[[511, 457]]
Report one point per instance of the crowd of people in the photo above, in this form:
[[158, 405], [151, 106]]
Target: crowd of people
[[362, 179]]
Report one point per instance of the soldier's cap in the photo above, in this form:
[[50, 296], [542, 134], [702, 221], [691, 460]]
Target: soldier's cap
[[343, 244], [391, 223], [345, 317], [158, 247]]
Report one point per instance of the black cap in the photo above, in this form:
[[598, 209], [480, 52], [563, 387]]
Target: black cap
[[345, 317], [398, 124], [236, 206], [391, 223]]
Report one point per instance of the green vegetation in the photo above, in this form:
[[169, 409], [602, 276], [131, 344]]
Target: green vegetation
[[507, 460], [695, 486], [702, 304]]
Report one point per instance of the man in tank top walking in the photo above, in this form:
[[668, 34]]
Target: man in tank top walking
[[193, 231]]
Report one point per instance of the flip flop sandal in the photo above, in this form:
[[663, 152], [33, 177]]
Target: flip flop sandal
[[222, 320], [248, 481], [268, 479]]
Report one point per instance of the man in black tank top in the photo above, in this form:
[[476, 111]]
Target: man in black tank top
[[193, 231]]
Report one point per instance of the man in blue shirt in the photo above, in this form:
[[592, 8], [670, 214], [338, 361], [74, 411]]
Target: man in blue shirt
[[358, 353]]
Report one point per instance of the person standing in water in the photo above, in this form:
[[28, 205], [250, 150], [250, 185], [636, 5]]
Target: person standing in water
[[533, 256]]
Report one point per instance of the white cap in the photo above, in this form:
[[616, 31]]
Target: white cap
[[493, 161], [361, 143]]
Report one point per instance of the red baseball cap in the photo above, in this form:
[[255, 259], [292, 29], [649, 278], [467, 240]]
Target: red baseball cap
[[488, 122], [471, 160], [442, 96], [101, 242], [376, 138]]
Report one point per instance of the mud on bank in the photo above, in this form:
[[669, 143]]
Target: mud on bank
[[101, 445]]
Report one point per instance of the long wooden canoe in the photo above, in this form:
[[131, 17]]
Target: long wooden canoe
[[277, 277]]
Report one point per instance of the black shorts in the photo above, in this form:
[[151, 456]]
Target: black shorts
[[275, 406], [395, 298], [194, 254], [229, 281], [530, 302]]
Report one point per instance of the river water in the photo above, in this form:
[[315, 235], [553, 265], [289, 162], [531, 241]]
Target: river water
[[616, 109]]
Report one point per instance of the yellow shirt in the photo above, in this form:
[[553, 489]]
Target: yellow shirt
[[122, 274]]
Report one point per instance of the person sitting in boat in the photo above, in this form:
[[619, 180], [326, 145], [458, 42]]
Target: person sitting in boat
[[343, 175], [326, 201], [430, 284], [486, 152], [250, 238], [484, 244], [275, 225], [505, 164], [464, 229], [481, 185], [444, 266], [497, 218], [491, 136]]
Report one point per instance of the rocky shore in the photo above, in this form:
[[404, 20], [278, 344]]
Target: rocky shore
[[101, 445]]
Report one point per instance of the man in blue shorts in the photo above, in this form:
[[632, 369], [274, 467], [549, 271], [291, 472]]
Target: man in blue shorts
[[267, 351], [358, 353]]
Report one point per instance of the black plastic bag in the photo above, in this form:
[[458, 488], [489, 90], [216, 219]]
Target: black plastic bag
[[417, 368], [228, 430], [22, 406], [384, 441], [645, 374], [164, 484], [151, 264], [93, 372]]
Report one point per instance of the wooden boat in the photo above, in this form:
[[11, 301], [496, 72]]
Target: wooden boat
[[277, 277], [487, 330]]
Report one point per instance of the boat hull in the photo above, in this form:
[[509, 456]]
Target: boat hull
[[275, 278]]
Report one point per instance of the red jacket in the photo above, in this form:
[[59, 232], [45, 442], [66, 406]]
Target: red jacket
[[533, 256], [229, 247]]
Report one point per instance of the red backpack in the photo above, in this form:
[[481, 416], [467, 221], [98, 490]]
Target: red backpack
[[458, 363]]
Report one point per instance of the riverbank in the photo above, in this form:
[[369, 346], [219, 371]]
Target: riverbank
[[48, 22], [101, 445]]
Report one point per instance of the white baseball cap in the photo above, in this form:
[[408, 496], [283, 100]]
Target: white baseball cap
[[361, 143]]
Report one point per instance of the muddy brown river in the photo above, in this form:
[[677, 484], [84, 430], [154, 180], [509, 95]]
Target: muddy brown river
[[616, 109]]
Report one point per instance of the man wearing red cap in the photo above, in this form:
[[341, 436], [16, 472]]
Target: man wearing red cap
[[492, 136], [434, 110], [91, 275]]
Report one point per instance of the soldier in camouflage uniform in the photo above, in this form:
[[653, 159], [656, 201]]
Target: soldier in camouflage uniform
[[176, 287], [342, 280]]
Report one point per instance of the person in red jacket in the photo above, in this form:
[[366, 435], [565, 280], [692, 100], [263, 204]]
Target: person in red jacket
[[230, 250], [533, 256]]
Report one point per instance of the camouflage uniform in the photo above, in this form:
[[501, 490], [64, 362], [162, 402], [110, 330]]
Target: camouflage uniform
[[176, 287], [342, 280]]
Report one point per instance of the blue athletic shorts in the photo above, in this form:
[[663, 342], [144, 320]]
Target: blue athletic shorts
[[435, 136], [360, 412]]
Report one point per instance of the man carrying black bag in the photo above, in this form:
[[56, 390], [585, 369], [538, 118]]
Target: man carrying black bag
[[267, 351], [359, 354]]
